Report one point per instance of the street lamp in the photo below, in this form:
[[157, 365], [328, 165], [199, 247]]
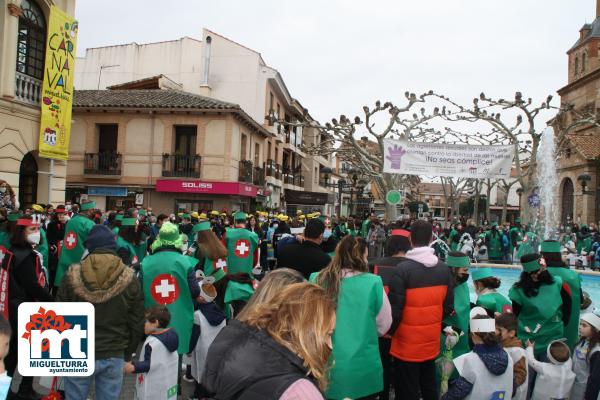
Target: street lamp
[[520, 193], [584, 179]]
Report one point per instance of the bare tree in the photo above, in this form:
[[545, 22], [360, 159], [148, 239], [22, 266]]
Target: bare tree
[[362, 143], [517, 122]]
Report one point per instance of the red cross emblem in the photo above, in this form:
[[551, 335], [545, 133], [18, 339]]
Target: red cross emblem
[[164, 289], [134, 260], [242, 248], [221, 263], [70, 240]]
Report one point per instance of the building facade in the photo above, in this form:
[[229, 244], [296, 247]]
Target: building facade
[[214, 68], [23, 31], [578, 162]]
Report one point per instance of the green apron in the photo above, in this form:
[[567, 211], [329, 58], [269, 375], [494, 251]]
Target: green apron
[[142, 248], [543, 309], [76, 233], [573, 280], [165, 281], [517, 234], [357, 369], [211, 265], [494, 302], [241, 244], [527, 245], [236, 291], [43, 248], [460, 320], [122, 243], [494, 243], [453, 244], [4, 239], [364, 228]]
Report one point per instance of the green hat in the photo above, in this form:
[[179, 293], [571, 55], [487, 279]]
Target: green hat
[[494, 224], [532, 266], [550, 246], [186, 216], [119, 217], [128, 222], [518, 220], [13, 217], [90, 205], [238, 216], [168, 236], [142, 212], [458, 261], [202, 226], [481, 273]]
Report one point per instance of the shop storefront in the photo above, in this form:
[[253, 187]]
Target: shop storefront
[[190, 195]]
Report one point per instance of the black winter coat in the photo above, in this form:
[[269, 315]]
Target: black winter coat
[[245, 363]]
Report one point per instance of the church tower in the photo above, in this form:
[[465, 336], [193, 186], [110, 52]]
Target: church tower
[[578, 163]]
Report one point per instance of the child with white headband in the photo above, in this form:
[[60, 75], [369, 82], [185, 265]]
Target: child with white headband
[[554, 379], [586, 358], [487, 371]]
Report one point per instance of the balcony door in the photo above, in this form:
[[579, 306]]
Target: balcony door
[[185, 149], [107, 146]]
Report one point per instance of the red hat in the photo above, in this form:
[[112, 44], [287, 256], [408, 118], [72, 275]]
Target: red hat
[[400, 232], [27, 222], [60, 209]]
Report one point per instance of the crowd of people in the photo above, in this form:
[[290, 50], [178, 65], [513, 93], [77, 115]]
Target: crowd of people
[[271, 306]]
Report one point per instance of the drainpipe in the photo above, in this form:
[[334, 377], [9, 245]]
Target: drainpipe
[[153, 115]]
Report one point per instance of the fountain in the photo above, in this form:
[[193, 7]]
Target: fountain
[[547, 180]]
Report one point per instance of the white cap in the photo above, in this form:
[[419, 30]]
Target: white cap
[[481, 325], [592, 318]]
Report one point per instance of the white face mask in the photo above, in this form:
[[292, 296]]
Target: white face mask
[[2, 189], [34, 238], [68, 207]]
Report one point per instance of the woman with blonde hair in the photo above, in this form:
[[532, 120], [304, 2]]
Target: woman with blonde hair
[[280, 350], [271, 284], [210, 252], [363, 313]]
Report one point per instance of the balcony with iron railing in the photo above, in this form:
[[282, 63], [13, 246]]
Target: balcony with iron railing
[[245, 171], [103, 163], [181, 165], [273, 169], [27, 89], [258, 177]]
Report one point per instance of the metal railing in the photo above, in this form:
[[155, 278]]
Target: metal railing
[[245, 171], [273, 169], [104, 163], [181, 165], [259, 176], [27, 89]]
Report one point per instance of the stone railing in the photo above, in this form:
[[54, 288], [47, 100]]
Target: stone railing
[[27, 89]]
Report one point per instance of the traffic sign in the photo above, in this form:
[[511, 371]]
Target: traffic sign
[[393, 197]]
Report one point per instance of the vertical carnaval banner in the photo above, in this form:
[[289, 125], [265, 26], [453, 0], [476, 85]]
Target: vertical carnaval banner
[[57, 90]]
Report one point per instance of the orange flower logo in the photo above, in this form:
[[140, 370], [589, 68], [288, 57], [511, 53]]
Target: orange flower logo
[[44, 320]]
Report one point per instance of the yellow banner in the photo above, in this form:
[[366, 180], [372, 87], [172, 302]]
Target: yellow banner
[[57, 90]]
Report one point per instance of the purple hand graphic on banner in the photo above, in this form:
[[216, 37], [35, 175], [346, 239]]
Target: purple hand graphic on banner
[[395, 156]]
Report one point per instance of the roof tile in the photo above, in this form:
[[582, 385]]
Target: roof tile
[[147, 98]]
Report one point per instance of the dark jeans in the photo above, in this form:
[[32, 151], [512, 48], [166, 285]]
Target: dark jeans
[[387, 363], [415, 380]]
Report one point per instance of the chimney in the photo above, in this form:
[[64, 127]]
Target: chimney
[[205, 87]]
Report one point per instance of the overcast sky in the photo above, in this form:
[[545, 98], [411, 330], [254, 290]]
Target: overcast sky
[[335, 56]]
